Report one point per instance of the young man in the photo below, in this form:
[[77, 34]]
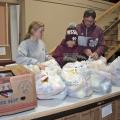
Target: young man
[[68, 50], [90, 36]]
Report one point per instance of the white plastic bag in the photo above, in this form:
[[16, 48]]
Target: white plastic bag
[[114, 69], [52, 65], [49, 85], [101, 81], [99, 64], [77, 80]]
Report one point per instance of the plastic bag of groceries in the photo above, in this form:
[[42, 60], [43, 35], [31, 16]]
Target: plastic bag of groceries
[[99, 64], [101, 81], [49, 85], [77, 79], [51, 64], [100, 77], [114, 69]]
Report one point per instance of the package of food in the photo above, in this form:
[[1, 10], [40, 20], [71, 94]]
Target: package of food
[[77, 79], [51, 64], [114, 69], [49, 85], [99, 64], [101, 81]]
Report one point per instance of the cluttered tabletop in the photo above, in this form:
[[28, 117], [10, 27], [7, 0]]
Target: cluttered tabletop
[[75, 85], [48, 107]]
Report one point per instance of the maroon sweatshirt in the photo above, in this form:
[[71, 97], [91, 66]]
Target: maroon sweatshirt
[[64, 54], [91, 38]]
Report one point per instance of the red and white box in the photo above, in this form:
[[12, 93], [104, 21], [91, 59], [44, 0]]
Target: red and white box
[[17, 92]]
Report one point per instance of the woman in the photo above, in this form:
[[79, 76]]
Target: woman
[[32, 50], [68, 50]]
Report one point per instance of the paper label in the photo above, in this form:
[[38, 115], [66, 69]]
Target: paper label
[[107, 110]]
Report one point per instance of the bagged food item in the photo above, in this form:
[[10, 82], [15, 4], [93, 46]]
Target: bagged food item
[[116, 79], [77, 79], [101, 59], [99, 64], [52, 65], [49, 85], [101, 81], [114, 69]]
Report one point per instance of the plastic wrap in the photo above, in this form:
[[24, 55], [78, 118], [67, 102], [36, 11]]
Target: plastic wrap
[[49, 85], [114, 69], [101, 81], [77, 80]]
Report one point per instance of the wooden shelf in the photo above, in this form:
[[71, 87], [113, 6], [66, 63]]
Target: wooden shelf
[[6, 62]]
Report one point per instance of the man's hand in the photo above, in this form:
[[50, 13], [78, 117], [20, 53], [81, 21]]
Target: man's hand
[[88, 52], [94, 56]]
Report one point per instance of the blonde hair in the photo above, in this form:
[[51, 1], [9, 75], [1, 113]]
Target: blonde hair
[[33, 27]]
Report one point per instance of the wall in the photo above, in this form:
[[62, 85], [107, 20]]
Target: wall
[[57, 14]]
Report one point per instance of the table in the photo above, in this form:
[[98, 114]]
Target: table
[[53, 109]]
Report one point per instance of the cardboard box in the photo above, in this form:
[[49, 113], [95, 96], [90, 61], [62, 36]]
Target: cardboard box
[[17, 90]]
